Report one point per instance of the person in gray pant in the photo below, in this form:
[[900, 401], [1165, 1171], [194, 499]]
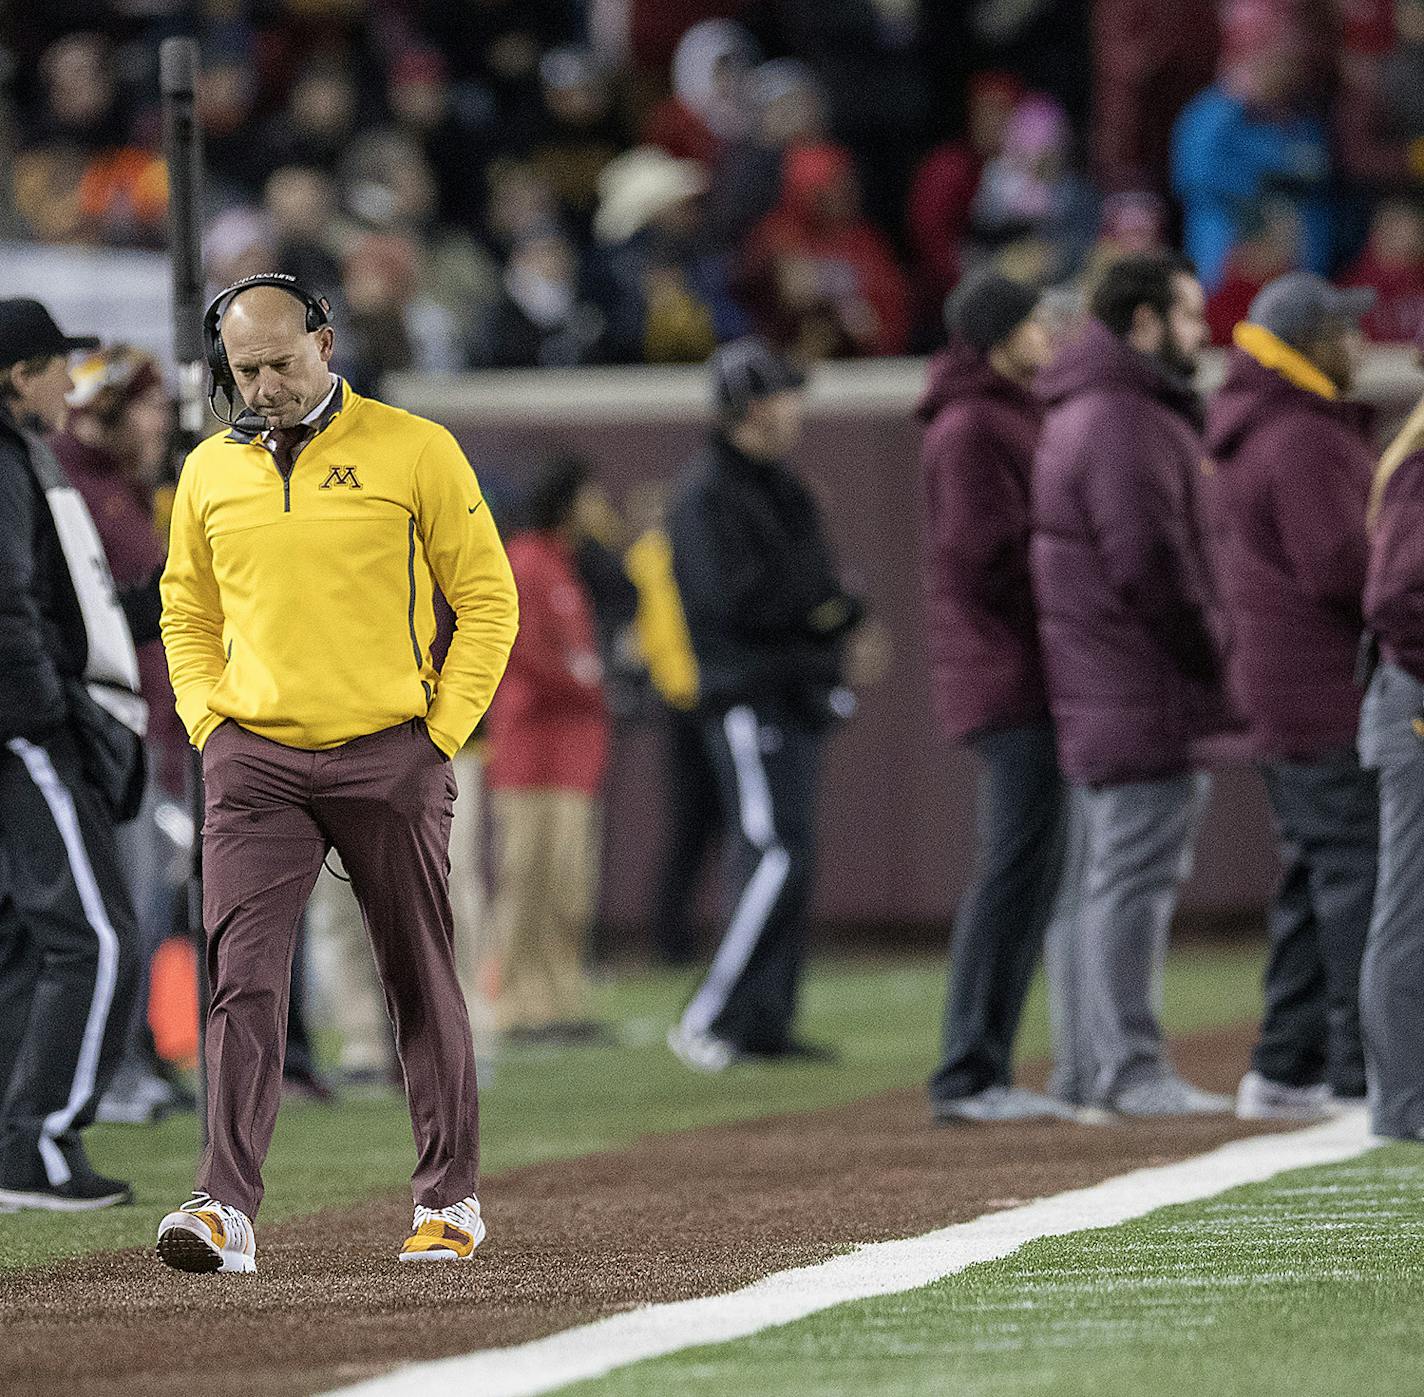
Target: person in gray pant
[[1392, 742], [1392, 976], [1125, 601], [1130, 848]]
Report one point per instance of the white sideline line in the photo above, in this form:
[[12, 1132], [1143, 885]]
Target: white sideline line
[[878, 1268]]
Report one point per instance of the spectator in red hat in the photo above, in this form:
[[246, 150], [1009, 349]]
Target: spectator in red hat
[[822, 279]]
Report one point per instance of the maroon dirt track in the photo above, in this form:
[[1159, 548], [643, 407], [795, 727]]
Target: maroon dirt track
[[671, 1217]]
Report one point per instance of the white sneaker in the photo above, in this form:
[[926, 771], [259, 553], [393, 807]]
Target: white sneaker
[[1000, 1103], [445, 1234], [1258, 1098], [204, 1236], [703, 1052], [1170, 1096]]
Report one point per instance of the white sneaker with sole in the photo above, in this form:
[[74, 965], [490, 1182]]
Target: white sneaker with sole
[[1258, 1098], [703, 1052], [205, 1236], [445, 1234], [1000, 1103], [1170, 1096]]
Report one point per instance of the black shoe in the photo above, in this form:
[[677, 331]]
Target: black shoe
[[84, 1192]]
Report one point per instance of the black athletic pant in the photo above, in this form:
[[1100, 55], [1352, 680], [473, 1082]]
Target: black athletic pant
[[68, 959], [1327, 821], [693, 814], [767, 767], [998, 934]]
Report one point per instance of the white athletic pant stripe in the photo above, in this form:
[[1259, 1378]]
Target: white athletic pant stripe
[[764, 887], [61, 806]]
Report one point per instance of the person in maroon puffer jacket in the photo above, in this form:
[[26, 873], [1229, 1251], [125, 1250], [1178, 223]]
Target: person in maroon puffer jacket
[[983, 425], [1392, 743], [1124, 596], [1294, 462]]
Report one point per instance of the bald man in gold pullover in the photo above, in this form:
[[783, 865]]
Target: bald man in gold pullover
[[306, 546]]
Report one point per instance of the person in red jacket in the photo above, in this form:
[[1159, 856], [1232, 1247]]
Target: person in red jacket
[[822, 279], [1293, 464], [1392, 265], [549, 733], [983, 425], [1392, 743]]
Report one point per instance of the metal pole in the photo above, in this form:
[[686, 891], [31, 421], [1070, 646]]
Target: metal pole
[[182, 145]]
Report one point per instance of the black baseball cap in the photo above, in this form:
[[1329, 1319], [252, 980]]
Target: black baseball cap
[[987, 307], [27, 331], [1296, 307], [748, 369]]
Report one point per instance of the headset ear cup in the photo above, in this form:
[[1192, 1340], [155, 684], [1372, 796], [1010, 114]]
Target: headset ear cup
[[318, 311], [213, 350]]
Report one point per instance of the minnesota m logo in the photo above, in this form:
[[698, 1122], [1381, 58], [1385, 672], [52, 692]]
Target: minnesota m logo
[[341, 475]]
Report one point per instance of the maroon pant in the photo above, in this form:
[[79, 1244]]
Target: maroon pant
[[385, 803]]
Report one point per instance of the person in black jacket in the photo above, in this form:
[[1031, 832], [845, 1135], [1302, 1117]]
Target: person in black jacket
[[768, 619], [71, 766]]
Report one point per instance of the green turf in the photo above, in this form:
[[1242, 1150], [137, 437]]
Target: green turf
[[883, 1014], [1311, 1285]]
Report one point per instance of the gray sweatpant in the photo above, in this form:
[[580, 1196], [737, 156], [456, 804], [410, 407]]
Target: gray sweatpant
[[1130, 849], [1392, 976]]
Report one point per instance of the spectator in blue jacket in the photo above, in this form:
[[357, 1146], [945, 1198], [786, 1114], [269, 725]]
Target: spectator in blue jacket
[[1254, 134]]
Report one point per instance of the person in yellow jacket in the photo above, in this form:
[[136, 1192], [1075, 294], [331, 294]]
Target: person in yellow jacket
[[305, 549], [693, 808]]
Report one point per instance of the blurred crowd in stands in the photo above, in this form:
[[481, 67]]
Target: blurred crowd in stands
[[550, 183]]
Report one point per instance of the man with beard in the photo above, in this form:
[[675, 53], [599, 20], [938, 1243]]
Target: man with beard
[[1121, 582], [1293, 464]]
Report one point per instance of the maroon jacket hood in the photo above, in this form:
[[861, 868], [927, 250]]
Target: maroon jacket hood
[[1097, 361], [1251, 394], [959, 372]]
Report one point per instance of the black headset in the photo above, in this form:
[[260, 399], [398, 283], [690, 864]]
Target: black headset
[[318, 318]]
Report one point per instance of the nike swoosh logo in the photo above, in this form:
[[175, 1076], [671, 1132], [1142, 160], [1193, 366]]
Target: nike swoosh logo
[[474, 507]]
